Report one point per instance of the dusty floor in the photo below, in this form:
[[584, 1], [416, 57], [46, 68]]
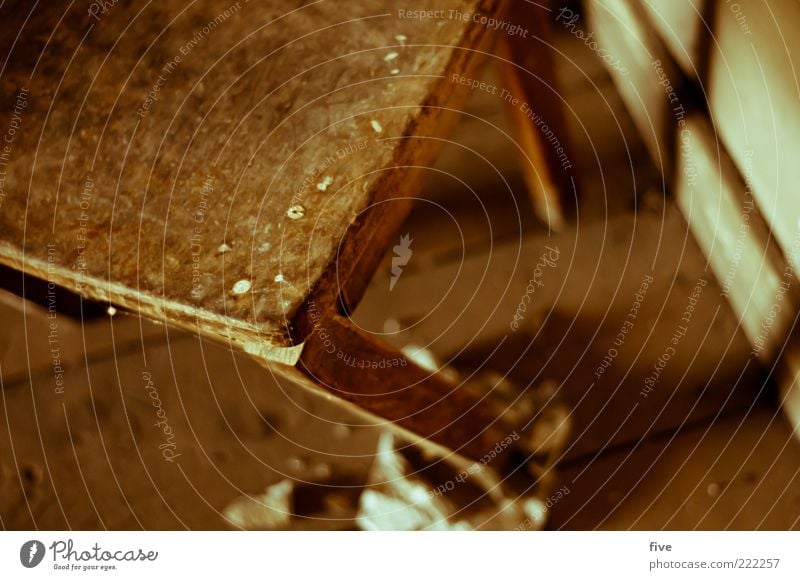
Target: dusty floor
[[706, 448]]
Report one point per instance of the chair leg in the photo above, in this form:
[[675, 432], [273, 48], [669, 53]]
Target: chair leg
[[534, 105]]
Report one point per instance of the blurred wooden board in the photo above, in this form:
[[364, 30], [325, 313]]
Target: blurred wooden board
[[646, 79], [159, 149], [745, 56], [744, 256], [743, 210], [755, 277], [754, 98], [684, 28]]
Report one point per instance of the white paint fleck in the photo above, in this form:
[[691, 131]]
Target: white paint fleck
[[401, 38], [395, 71], [391, 56], [242, 286], [296, 212], [111, 311], [224, 248], [376, 126], [280, 278], [323, 185]]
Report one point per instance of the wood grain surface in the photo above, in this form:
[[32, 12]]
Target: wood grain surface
[[204, 163]]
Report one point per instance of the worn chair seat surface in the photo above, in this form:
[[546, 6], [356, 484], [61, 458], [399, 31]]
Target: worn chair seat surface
[[204, 162]]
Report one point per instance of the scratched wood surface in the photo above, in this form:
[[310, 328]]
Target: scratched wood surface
[[163, 156]]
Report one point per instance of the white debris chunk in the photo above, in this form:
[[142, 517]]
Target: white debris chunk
[[223, 248], [271, 510], [376, 126], [395, 500], [280, 278], [535, 512], [391, 56]]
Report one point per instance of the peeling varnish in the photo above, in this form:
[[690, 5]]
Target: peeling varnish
[[296, 212], [241, 287]]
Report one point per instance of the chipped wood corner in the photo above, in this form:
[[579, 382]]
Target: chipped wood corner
[[266, 353]]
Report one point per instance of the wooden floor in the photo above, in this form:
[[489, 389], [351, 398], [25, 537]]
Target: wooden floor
[[709, 450], [94, 461]]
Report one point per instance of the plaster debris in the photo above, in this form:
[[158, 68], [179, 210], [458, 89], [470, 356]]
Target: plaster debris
[[391, 56], [111, 311], [270, 511], [242, 286], [396, 499], [395, 71], [264, 247], [376, 126], [223, 248], [296, 212], [280, 278], [323, 185], [401, 38], [535, 512]]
